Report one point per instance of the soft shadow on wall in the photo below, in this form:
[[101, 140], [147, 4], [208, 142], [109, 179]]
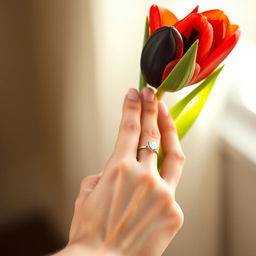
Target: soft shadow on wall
[[35, 190]]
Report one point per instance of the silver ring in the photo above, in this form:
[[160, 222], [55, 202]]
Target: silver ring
[[151, 146]]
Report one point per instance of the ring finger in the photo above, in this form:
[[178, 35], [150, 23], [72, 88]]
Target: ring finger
[[149, 127]]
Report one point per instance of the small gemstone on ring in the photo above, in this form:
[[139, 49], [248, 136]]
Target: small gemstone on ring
[[153, 145]]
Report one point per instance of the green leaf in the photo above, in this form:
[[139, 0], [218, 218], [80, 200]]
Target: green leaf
[[186, 111], [146, 32], [143, 83], [160, 159], [182, 73]]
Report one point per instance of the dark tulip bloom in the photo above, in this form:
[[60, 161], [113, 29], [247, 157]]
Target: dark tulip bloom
[[162, 47]]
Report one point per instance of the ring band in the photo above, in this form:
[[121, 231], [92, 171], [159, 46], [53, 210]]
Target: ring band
[[151, 146]]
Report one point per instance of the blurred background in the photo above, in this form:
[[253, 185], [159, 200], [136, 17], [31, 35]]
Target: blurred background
[[65, 67]]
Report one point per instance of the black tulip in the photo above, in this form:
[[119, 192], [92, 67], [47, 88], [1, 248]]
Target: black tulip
[[163, 46]]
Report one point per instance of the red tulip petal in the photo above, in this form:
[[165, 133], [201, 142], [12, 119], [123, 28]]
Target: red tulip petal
[[167, 17], [213, 14], [217, 14], [200, 24], [219, 32], [154, 18], [196, 72], [193, 11], [169, 67], [217, 56], [233, 28]]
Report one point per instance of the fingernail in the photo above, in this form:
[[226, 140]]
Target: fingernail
[[132, 94], [162, 109], [148, 94]]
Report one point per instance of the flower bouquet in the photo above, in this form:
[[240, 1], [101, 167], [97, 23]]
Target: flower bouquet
[[179, 53]]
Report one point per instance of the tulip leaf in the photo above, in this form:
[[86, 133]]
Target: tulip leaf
[[146, 32], [143, 83], [186, 111], [181, 74]]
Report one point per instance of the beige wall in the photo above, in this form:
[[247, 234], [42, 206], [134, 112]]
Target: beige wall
[[18, 112]]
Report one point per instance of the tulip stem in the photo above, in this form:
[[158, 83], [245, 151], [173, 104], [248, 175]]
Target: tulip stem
[[159, 94]]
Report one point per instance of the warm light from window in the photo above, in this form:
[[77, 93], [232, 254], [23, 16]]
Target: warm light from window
[[248, 77]]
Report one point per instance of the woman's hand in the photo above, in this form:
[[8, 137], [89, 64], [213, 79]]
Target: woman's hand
[[129, 209]]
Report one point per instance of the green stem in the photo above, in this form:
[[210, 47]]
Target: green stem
[[159, 95], [142, 82]]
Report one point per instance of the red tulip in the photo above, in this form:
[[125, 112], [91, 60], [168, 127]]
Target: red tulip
[[217, 37]]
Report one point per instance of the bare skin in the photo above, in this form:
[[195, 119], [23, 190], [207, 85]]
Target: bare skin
[[129, 209]]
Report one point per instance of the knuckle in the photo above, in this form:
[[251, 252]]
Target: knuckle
[[146, 178], [151, 132], [84, 182], [166, 197], [121, 168], [176, 218], [132, 106], [170, 126], [179, 156], [151, 110], [130, 126], [176, 154]]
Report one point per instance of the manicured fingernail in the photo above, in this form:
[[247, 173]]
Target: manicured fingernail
[[133, 94], [148, 94], [162, 109]]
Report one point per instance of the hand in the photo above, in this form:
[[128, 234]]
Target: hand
[[129, 209]]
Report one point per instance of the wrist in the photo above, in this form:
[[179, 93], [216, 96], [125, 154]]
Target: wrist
[[81, 250]]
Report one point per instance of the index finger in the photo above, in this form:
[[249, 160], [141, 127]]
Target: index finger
[[129, 131]]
